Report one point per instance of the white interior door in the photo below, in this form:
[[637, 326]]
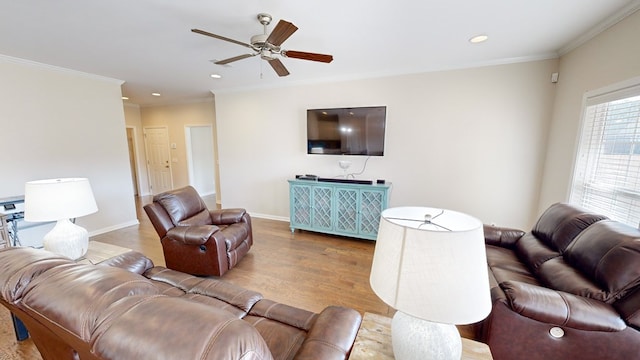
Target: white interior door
[[201, 159], [156, 141]]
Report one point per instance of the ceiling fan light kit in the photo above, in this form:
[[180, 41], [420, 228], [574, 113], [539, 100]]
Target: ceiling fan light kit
[[268, 45]]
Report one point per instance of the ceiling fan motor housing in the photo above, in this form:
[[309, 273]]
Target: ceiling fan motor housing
[[266, 54], [259, 40]]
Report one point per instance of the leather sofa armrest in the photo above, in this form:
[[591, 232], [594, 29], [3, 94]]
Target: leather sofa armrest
[[131, 261], [227, 216], [332, 335], [192, 235], [501, 236], [561, 308]]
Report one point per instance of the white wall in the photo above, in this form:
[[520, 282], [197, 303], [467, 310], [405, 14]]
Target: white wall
[[59, 123], [470, 140], [176, 117], [609, 58]]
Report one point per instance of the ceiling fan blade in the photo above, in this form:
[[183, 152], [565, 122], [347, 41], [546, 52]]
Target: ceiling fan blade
[[308, 56], [235, 58], [279, 68], [281, 32], [205, 33]]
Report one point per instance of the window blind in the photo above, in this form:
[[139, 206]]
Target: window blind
[[607, 171]]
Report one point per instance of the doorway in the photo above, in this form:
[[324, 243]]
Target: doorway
[[156, 143], [201, 158], [133, 163]]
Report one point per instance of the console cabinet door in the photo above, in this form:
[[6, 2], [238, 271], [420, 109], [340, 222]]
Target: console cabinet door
[[372, 202], [346, 220], [300, 206], [321, 212]]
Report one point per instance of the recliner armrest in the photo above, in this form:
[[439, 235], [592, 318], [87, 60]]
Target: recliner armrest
[[561, 308], [192, 235], [501, 236], [227, 216], [332, 335]]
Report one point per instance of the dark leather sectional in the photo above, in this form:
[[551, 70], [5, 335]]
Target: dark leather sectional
[[568, 289], [125, 308]]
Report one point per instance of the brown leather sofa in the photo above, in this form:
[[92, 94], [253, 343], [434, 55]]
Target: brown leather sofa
[[125, 308], [568, 289], [196, 240]]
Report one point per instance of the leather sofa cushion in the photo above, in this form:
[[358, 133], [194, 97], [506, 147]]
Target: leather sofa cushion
[[199, 218], [32, 263], [533, 252], [505, 265], [74, 295], [235, 299], [609, 253], [628, 308], [181, 204], [210, 333], [559, 275], [561, 223]]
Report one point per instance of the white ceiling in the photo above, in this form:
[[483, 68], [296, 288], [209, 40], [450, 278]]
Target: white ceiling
[[149, 45]]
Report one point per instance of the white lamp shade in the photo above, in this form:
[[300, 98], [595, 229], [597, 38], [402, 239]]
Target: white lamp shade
[[55, 199], [432, 272]]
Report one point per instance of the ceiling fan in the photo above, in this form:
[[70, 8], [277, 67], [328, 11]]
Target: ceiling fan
[[268, 45]]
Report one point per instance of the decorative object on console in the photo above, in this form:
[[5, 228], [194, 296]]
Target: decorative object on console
[[344, 165], [61, 200], [430, 265]]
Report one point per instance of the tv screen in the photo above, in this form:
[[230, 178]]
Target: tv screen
[[346, 131]]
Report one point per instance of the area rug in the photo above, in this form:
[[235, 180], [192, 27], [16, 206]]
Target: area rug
[[10, 348]]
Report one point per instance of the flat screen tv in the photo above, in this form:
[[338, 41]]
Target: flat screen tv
[[346, 131]]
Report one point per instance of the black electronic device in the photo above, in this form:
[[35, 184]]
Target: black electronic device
[[307, 177], [346, 131], [380, 181], [346, 181]]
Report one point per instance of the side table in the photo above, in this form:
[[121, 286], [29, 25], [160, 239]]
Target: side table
[[99, 252], [374, 342]]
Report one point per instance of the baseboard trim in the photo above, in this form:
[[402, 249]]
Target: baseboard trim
[[269, 217], [114, 227]]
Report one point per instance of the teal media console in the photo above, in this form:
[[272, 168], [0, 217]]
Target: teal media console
[[345, 209]]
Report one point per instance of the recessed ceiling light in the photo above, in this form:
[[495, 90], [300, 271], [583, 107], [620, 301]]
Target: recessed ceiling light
[[216, 76], [125, 98], [478, 39], [155, 94]]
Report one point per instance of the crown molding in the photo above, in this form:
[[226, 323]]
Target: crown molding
[[393, 73], [178, 102], [35, 64], [601, 27]]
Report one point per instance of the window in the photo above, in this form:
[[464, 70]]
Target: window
[[606, 177]]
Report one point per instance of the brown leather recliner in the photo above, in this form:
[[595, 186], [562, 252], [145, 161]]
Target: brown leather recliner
[[196, 240], [567, 289]]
